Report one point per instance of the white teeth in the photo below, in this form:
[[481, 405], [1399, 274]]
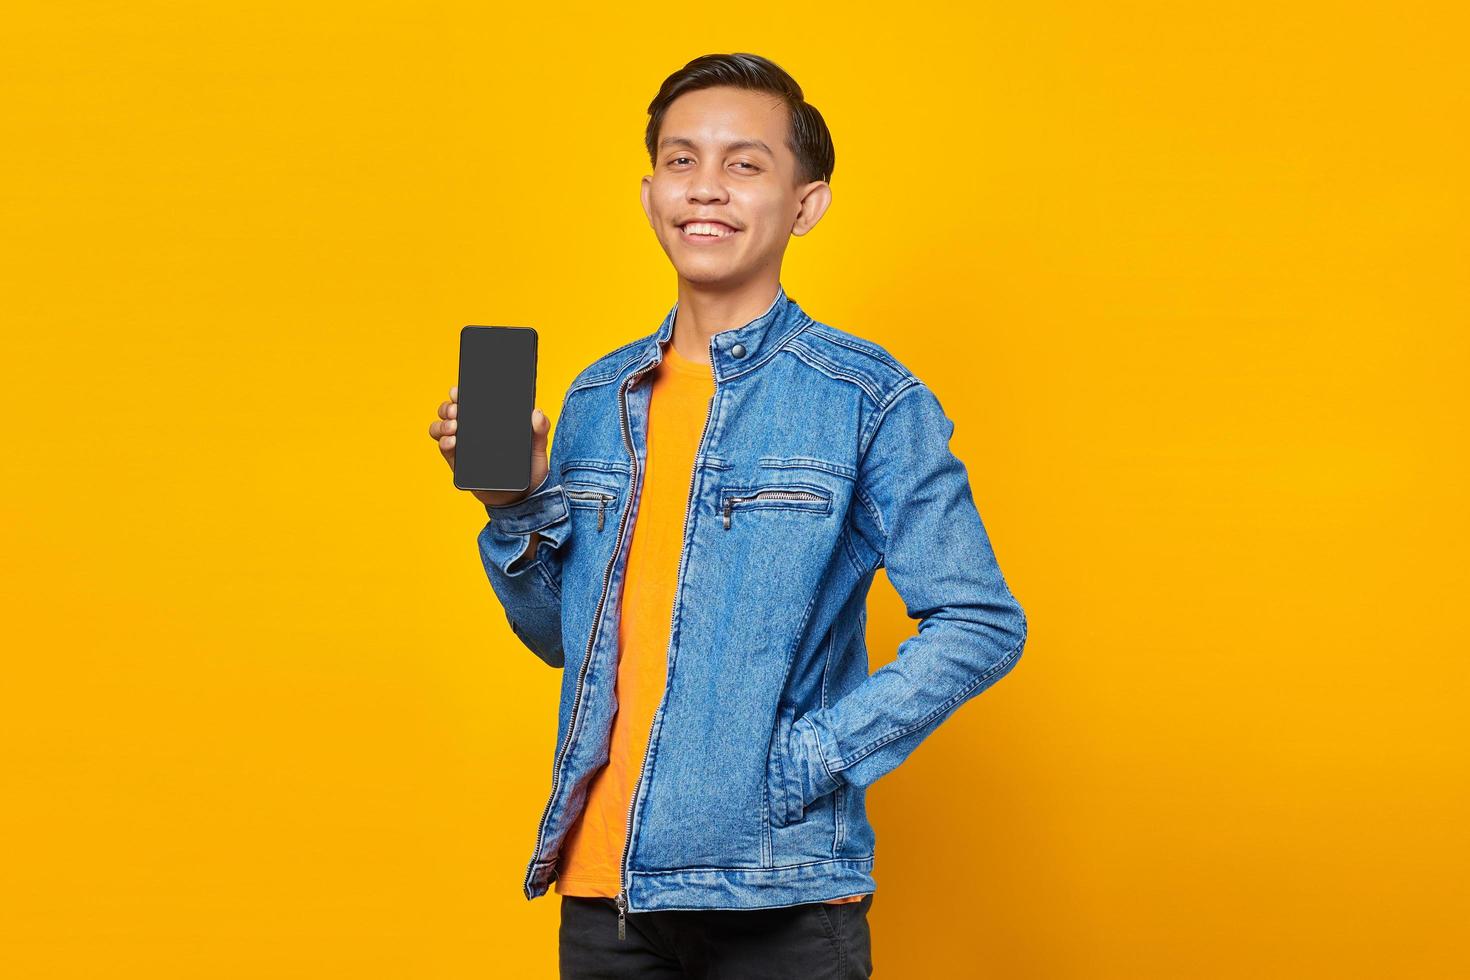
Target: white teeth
[[703, 228]]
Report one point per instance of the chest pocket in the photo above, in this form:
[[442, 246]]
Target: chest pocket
[[791, 497], [595, 486]]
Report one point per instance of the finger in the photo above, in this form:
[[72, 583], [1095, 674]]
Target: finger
[[444, 409], [540, 425], [446, 442], [454, 410], [434, 432], [454, 393]]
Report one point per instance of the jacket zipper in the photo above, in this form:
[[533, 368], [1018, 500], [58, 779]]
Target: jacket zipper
[[769, 495], [601, 498], [622, 900], [591, 637]]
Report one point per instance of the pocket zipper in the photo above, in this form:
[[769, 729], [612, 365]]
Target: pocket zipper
[[601, 498], [730, 502]]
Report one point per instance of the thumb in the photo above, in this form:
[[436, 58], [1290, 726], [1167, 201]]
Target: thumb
[[540, 427]]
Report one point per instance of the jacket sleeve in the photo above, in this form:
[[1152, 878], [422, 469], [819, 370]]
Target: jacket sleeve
[[938, 555], [530, 588]]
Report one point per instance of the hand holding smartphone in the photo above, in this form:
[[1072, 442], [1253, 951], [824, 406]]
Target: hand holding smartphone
[[489, 432]]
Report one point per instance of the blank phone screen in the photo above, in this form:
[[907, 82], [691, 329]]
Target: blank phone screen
[[497, 390]]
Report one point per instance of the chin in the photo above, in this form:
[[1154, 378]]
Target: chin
[[703, 268], [706, 275]]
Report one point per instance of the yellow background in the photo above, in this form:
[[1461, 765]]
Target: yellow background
[[1190, 279]]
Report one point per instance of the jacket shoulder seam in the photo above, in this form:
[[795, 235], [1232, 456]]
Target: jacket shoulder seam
[[831, 368], [592, 374], [885, 405], [859, 345]]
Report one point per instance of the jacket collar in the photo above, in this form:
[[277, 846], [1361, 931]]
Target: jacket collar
[[738, 349]]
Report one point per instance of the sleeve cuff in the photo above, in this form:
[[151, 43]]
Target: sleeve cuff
[[544, 507], [813, 779], [509, 526]]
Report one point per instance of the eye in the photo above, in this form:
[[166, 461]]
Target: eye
[[747, 163], [677, 159]]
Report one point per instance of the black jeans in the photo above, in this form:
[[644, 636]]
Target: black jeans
[[812, 941]]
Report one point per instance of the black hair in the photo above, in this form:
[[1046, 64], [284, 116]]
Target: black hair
[[808, 137]]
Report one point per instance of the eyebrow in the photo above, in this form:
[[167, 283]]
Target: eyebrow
[[747, 144]]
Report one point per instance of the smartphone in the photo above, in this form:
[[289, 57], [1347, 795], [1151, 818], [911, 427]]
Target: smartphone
[[497, 391]]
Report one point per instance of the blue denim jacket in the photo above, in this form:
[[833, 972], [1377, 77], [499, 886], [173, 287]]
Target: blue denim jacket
[[823, 459]]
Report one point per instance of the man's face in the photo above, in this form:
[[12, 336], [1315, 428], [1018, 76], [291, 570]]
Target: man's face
[[722, 156]]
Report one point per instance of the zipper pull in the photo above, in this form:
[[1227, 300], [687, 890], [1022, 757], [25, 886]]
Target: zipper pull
[[622, 925], [729, 503], [601, 508]]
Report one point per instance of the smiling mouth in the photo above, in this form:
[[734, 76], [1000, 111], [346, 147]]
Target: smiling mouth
[[704, 231]]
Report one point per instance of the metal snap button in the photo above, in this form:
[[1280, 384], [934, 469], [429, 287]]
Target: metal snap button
[[738, 350]]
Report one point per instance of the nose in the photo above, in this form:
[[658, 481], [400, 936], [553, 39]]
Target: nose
[[707, 185]]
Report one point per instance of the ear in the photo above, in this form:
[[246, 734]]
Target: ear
[[645, 193], [816, 197]]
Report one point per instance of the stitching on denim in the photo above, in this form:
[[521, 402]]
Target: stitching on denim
[[864, 442], [587, 463], [593, 382], [621, 368], [886, 405], [812, 507], [839, 815], [826, 667], [866, 859], [783, 735], [790, 655], [767, 845], [862, 380], [580, 382], [777, 346], [950, 702], [836, 800], [839, 819], [640, 356], [877, 353], [807, 462], [547, 504], [831, 368]]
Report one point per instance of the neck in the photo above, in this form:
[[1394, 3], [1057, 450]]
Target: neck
[[704, 312]]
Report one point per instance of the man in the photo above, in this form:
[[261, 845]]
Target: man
[[696, 554]]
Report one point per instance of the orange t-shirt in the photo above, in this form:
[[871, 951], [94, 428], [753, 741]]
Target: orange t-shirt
[[591, 857]]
